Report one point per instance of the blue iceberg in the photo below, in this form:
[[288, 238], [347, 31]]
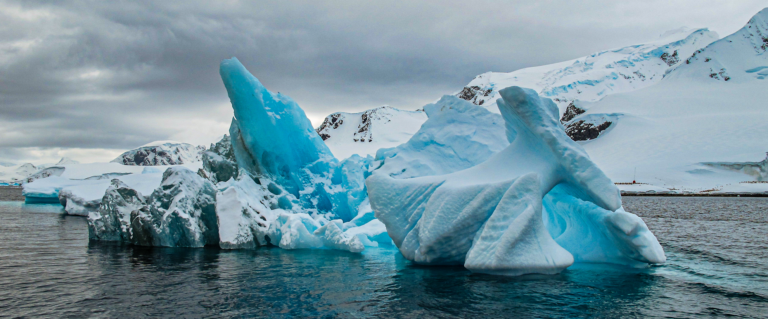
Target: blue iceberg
[[273, 138], [491, 217]]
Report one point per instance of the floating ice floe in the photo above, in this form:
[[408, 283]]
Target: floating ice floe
[[491, 218]]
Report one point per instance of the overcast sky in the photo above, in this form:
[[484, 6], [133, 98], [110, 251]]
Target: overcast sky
[[91, 79]]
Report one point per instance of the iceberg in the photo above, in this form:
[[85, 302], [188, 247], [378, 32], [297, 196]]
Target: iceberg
[[271, 181], [160, 153], [244, 210], [273, 138], [287, 176], [219, 162], [179, 213], [112, 220], [81, 197], [456, 136], [491, 217]]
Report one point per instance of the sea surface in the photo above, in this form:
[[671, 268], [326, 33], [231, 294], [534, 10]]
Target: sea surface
[[717, 250]]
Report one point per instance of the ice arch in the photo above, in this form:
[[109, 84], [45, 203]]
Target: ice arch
[[489, 217]]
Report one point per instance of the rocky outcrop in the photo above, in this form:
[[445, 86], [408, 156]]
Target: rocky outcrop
[[330, 123], [670, 59], [570, 112], [582, 130], [342, 125], [471, 93]]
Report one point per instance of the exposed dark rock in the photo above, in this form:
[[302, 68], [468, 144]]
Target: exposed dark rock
[[471, 93], [670, 59], [582, 131], [363, 133], [570, 112], [693, 56], [719, 75], [333, 121]]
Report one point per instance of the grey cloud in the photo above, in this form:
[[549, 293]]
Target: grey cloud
[[114, 75]]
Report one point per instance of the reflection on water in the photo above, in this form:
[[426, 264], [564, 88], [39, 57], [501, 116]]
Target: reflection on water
[[48, 268]]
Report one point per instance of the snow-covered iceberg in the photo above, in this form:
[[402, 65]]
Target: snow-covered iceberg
[[83, 185], [271, 181], [161, 153], [490, 217], [457, 135]]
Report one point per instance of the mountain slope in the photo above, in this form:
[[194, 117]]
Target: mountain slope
[[366, 132], [593, 77], [568, 83], [710, 108], [16, 173]]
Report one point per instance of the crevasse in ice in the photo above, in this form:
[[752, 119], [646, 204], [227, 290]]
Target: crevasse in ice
[[491, 218]]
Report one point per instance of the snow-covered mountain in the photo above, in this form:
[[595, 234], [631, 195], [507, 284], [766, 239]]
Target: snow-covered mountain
[[366, 132], [568, 83], [21, 173], [709, 108], [66, 161], [161, 153], [593, 77], [16, 173]]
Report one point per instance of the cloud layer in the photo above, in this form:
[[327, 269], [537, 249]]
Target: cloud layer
[[89, 79]]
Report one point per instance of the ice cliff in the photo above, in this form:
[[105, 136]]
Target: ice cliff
[[518, 212]]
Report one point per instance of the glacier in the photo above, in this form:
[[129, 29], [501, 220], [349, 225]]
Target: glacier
[[491, 217], [593, 77], [670, 132]]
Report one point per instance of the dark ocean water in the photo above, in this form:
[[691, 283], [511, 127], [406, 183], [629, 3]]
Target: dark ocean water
[[716, 248]]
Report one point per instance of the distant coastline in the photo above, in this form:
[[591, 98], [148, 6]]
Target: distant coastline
[[11, 193], [696, 194]]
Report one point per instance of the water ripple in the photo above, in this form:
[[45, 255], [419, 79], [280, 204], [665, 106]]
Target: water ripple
[[716, 267]]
